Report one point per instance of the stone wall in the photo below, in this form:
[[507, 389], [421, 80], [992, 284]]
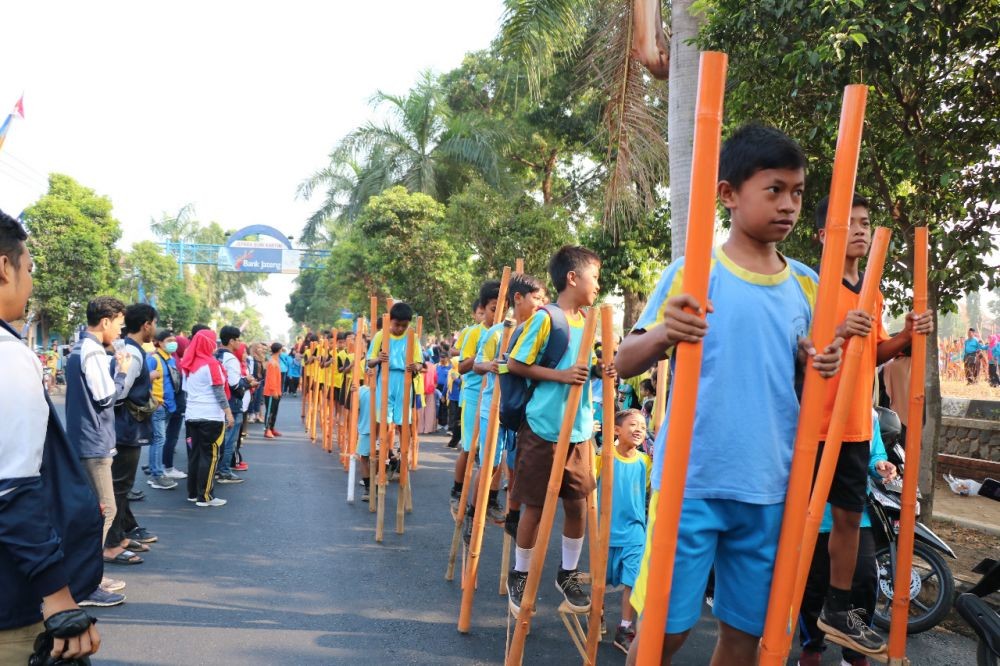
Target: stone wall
[[970, 438]]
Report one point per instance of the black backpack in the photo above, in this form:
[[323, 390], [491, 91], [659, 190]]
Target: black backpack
[[516, 391]]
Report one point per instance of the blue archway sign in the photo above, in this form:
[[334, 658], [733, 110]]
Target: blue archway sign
[[272, 252]]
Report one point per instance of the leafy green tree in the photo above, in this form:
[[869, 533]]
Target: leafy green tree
[[72, 240], [146, 264], [974, 309], [932, 126], [494, 230]]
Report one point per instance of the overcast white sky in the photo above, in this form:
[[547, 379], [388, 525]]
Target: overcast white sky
[[226, 105]]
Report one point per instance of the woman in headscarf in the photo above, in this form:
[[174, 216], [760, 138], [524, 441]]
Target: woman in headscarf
[[208, 415]]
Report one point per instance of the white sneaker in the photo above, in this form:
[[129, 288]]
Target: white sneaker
[[174, 473], [215, 501], [162, 483]]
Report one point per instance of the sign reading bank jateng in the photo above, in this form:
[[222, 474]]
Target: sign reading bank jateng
[[261, 256]]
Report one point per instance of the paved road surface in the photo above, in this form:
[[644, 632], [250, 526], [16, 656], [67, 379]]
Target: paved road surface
[[289, 573]]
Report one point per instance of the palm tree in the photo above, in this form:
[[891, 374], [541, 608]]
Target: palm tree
[[421, 145]]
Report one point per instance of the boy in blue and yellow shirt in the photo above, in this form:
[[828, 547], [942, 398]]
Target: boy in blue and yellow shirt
[[575, 272], [400, 316], [747, 403], [628, 513], [471, 381]]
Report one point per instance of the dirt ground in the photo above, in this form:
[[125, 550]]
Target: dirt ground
[[971, 547], [957, 388]]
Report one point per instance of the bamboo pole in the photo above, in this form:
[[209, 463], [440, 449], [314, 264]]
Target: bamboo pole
[[519, 265], [516, 651], [373, 443], [314, 403], [404, 437], [911, 472], [599, 564], [853, 358], [698, 253], [780, 624], [483, 491], [456, 537], [507, 540], [415, 450], [352, 420], [384, 444]]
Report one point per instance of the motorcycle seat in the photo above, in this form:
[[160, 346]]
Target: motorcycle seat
[[983, 619]]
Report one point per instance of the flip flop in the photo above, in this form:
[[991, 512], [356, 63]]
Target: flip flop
[[126, 557], [137, 547]]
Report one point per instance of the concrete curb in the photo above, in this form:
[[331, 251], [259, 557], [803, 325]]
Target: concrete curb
[[969, 524]]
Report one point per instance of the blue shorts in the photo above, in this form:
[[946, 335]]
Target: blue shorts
[[505, 439], [623, 565], [364, 444], [470, 419], [740, 540]]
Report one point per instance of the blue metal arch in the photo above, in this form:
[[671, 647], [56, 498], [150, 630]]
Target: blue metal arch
[[261, 229]]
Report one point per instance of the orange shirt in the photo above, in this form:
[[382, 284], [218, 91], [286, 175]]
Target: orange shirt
[[859, 419], [272, 379]]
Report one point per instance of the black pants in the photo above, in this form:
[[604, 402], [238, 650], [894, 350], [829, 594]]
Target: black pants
[[123, 468], [204, 449], [994, 375], [238, 449], [455, 422], [864, 589], [442, 415], [174, 424], [271, 414], [293, 385]]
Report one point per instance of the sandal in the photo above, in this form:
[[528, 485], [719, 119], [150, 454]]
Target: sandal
[[137, 547], [124, 557]]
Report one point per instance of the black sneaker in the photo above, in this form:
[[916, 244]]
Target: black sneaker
[[510, 523], [515, 590], [495, 512], [851, 627], [467, 531], [135, 495], [453, 503], [568, 582], [365, 496], [624, 638], [142, 535]]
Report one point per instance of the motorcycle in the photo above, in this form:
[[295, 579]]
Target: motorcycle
[[932, 586], [977, 613]]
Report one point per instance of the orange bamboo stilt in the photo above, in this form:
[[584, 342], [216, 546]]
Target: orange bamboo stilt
[[660, 402], [853, 357], [698, 256], [383, 432], [456, 537], [599, 564], [911, 472], [415, 449], [516, 652], [373, 443], [519, 265], [404, 437], [780, 623]]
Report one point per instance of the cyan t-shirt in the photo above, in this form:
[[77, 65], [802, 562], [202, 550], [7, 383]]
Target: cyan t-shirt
[[628, 498], [397, 368], [364, 411], [471, 382], [747, 409], [547, 406], [489, 343]]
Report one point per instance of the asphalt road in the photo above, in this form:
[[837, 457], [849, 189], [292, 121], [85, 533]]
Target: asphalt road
[[289, 573]]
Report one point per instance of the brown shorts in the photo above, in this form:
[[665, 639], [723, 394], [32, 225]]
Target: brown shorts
[[534, 465]]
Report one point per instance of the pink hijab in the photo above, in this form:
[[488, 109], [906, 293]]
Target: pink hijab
[[201, 352]]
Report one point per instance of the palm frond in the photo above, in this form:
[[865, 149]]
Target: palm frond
[[536, 33], [634, 120]]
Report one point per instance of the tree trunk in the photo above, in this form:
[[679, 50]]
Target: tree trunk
[[932, 416], [550, 168], [680, 118], [634, 303]]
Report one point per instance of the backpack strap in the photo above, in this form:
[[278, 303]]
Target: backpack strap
[[558, 341]]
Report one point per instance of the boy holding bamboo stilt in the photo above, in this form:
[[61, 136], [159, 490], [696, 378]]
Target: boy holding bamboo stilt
[[848, 493], [731, 519], [574, 272], [525, 294], [627, 537], [471, 383], [400, 316]]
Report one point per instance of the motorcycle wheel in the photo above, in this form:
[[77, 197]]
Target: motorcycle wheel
[[932, 588]]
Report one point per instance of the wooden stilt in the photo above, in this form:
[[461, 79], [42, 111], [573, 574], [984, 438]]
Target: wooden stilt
[[551, 499], [404, 437], [780, 624], [456, 537], [599, 560], [384, 444], [352, 420], [373, 459], [911, 472], [698, 252]]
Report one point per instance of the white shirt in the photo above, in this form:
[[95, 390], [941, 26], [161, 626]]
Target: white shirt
[[202, 405], [24, 411]]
